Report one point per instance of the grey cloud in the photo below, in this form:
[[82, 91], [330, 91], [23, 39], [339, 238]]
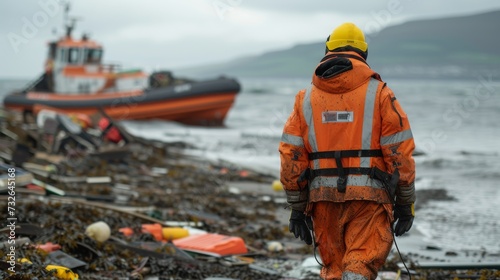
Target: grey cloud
[[106, 20]]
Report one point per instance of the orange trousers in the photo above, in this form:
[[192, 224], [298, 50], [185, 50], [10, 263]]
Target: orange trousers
[[354, 238]]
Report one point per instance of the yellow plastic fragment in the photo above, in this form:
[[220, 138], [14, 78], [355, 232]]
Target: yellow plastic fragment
[[62, 272]]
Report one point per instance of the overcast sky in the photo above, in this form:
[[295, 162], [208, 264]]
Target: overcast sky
[[168, 34]]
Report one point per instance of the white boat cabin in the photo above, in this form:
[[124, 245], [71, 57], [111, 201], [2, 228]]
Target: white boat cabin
[[75, 67]]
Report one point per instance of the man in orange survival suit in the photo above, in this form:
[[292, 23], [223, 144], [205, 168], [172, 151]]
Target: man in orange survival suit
[[346, 142]]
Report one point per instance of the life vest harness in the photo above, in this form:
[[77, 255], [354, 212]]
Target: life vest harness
[[388, 180]]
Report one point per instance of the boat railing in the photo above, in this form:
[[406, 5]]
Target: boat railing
[[110, 68]]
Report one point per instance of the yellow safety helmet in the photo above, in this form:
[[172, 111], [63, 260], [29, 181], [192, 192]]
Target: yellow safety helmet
[[347, 34]]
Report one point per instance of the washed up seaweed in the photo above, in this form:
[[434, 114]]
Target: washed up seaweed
[[140, 181]]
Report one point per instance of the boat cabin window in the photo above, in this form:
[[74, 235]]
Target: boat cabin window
[[74, 56], [52, 50], [62, 54], [93, 56]]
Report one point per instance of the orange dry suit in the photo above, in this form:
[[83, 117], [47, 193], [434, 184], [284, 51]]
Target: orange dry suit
[[346, 135]]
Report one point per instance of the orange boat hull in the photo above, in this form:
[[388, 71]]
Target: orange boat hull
[[204, 111], [192, 106]]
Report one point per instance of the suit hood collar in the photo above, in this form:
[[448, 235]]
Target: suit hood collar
[[340, 72]]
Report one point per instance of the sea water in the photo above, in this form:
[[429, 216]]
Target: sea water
[[456, 124]]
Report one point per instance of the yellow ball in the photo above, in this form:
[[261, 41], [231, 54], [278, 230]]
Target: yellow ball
[[277, 186]]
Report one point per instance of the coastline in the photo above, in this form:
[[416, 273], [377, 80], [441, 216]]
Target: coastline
[[162, 183]]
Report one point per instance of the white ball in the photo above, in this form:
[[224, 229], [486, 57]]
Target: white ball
[[274, 246], [99, 231]]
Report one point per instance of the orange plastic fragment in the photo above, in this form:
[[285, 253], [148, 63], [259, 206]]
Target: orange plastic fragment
[[48, 247], [156, 230], [214, 243], [126, 231]]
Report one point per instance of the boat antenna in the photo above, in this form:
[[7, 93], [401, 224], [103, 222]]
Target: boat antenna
[[69, 22], [65, 18]]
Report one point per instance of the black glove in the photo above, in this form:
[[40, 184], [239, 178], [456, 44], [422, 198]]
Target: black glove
[[403, 217], [299, 226]]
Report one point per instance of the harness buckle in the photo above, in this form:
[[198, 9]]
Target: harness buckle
[[342, 184]]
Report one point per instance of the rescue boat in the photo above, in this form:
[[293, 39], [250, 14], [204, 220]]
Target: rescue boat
[[76, 81]]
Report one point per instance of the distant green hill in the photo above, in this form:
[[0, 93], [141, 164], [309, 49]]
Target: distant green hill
[[463, 41], [448, 47]]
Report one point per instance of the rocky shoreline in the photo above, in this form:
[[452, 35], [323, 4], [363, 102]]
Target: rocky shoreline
[[133, 182]]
